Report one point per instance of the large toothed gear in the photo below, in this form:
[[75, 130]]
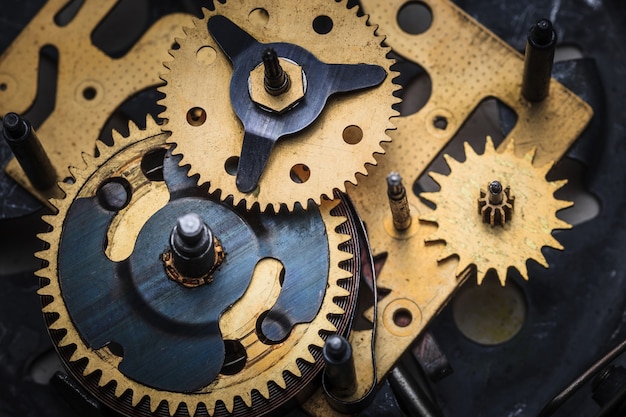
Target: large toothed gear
[[475, 241], [142, 342], [286, 149]]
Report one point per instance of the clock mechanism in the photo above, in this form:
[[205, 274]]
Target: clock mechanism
[[264, 207]]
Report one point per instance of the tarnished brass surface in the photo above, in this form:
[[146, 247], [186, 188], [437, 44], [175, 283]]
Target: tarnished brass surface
[[265, 362], [520, 239], [466, 63], [332, 158], [90, 84]]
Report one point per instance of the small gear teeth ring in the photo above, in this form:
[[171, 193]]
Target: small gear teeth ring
[[470, 235]]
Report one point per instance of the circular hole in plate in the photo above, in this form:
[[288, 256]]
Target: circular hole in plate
[[206, 55], [3, 86], [235, 357], [231, 165], [489, 314], [322, 24], [414, 17], [352, 135], [89, 93], [196, 116], [440, 122], [402, 317], [300, 173], [114, 194], [116, 349], [152, 164], [258, 17]]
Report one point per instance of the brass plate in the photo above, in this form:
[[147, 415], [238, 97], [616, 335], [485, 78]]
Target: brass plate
[[76, 121], [466, 63]]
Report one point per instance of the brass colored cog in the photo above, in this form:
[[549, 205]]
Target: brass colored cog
[[309, 163], [273, 372], [525, 233]]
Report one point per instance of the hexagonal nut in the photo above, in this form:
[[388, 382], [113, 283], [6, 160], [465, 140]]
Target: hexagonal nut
[[285, 101]]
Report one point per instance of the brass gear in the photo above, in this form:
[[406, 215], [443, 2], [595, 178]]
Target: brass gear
[[272, 371], [332, 150], [487, 247]]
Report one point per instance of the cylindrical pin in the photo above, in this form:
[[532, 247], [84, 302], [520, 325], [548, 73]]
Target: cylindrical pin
[[21, 138], [340, 373], [495, 192], [400, 210], [192, 246], [276, 79], [538, 60]]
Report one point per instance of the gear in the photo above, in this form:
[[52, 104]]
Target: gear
[[268, 149], [521, 237], [123, 327]]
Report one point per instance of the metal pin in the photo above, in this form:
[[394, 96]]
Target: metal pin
[[192, 246], [340, 372], [21, 138], [398, 202], [495, 192], [276, 79], [538, 60]]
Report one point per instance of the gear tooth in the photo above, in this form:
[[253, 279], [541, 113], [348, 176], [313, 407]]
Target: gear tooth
[[135, 399], [449, 160], [530, 155], [308, 357], [88, 159], [246, 397], [561, 225], [280, 381], [264, 390], [229, 404], [523, 271], [210, 407], [564, 204], [154, 405], [502, 277], [295, 370], [117, 137], [119, 390], [469, 151], [510, 147], [438, 178], [557, 185], [555, 244], [489, 146], [75, 356]]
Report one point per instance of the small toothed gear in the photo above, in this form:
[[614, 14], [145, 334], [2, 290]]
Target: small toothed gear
[[251, 141], [495, 205], [522, 235], [104, 283]]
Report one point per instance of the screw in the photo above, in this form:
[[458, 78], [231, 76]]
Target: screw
[[14, 126], [276, 79], [538, 60], [21, 138], [190, 228], [193, 246], [495, 192], [340, 372], [398, 203]]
